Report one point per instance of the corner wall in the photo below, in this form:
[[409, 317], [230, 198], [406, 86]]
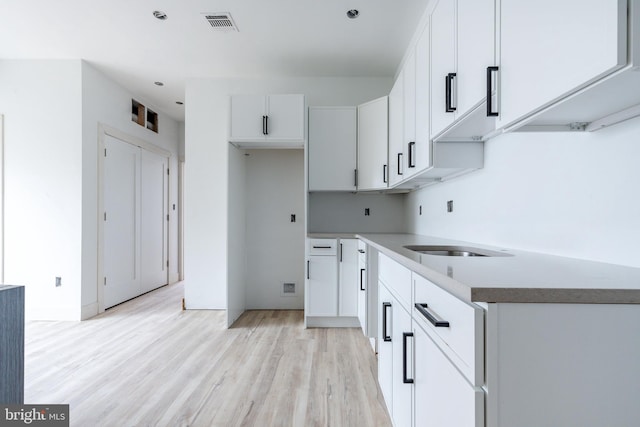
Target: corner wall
[[569, 194], [42, 105]]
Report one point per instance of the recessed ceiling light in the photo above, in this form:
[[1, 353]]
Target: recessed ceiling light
[[353, 13], [179, 102], [158, 83], [160, 15]]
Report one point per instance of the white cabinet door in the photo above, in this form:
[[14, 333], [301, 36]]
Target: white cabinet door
[[402, 365], [385, 344], [362, 287], [475, 51], [372, 144], [247, 113], [420, 153], [396, 132], [549, 49], [409, 113], [322, 286], [443, 397], [443, 66], [332, 148], [348, 283], [285, 117]]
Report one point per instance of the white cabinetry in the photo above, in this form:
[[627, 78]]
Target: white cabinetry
[[362, 286], [332, 148], [349, 278], [331, 295], [462, 47], [372, 145], [273, 121], [396, 132], [321, 295], [539, 67], [431, 356]]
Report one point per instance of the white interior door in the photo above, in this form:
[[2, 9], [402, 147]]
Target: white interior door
[[153, 221], [121, 189]]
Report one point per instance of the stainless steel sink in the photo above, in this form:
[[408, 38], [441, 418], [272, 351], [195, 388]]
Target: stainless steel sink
[[447, 250]]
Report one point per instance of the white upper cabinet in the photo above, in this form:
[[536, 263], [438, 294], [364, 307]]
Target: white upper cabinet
[[373, 134], [550, 49], [409, 113], [419, 153], [397, 150], [332, 148], [273, 121], [443, 65], [462, 48]]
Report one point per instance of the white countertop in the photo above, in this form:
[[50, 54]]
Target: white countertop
[[522, 278]]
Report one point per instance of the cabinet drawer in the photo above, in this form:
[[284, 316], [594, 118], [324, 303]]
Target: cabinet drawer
[[322, 246], [397, 278], [461, 333]]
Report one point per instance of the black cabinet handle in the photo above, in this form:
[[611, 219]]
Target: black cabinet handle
[[361, 251], [490, 71], [308, 269], [361, 279], [412, 154], [385, 336], [355, 177], [321, 247], [264, 127], [384, 173], [405, 379], [448, 87], [340, 252], [431, 316], [399, 163]]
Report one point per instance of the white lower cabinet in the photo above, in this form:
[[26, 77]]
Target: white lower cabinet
[[331, 295], [443, 397], [322, 286], [362, 286], [348, 283], [428, 378]]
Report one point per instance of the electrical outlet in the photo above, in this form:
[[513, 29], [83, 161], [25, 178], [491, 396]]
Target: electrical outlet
[[366, 212], [58, 282], [293, 217], [450, 206]]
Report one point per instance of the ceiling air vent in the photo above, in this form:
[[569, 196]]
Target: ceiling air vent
[[221, 21]]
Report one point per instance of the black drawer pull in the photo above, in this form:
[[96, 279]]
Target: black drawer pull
[[362, 280], [321, 247], [405, 379], [431, 316], [490, 112], [361, 251], [385, 336]]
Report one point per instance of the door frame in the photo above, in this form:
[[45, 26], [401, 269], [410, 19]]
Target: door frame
[[103, 131]]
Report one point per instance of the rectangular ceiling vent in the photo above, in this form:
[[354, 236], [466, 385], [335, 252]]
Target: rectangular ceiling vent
[[221, 21]]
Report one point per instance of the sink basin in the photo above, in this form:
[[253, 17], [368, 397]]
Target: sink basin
[[449, 250]]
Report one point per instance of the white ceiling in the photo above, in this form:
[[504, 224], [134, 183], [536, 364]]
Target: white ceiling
[[124, 40]]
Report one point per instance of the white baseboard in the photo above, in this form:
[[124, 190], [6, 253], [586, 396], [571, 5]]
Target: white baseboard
[[332, 322], [89, 311]]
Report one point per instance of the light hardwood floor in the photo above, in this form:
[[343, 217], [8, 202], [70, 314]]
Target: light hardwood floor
[[148, 363]]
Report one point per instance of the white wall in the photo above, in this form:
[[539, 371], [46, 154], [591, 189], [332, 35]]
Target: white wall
[[570, 194], [275, 245], [207, 154], [104, 101], [41, 102]]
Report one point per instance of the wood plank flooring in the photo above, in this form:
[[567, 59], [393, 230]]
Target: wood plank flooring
[[148, 363]]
